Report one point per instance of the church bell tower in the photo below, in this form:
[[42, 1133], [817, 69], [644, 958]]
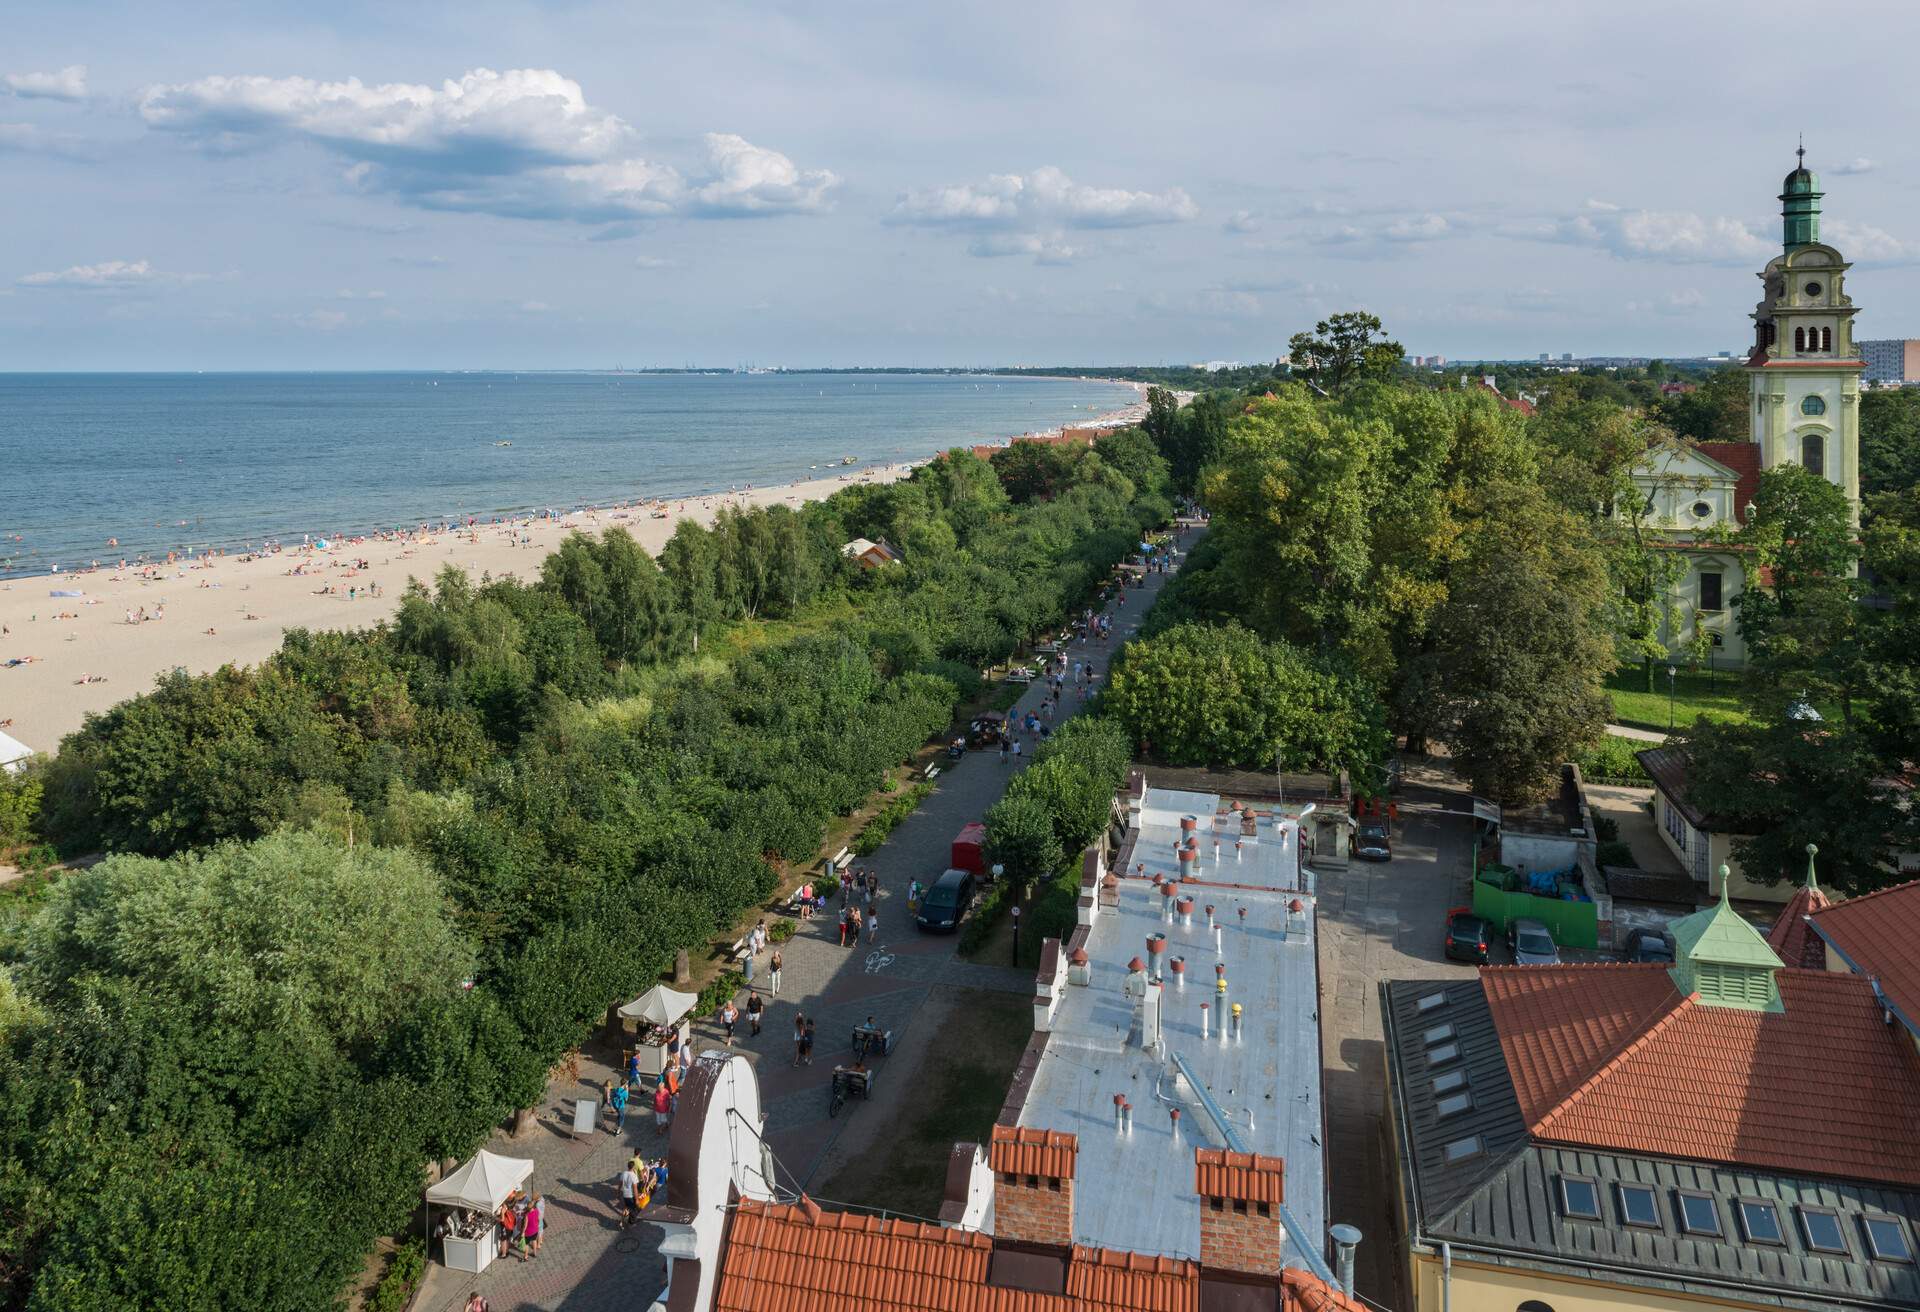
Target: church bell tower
[[1804, 368]]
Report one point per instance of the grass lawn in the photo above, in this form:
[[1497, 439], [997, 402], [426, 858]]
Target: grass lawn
[[964, 1080], [1716, 696]]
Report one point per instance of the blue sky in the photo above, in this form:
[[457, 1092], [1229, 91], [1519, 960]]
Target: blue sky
[[227, 185]]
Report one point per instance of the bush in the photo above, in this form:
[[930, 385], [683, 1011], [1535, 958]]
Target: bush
[[887, 818], [781, 930], [1613, 854], [20, 796], [1606, 828], [988, 909], [714, 996], [403, 1273], [1613, 758]]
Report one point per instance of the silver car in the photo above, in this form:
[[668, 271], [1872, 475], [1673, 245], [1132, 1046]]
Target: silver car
[[1532, 944]]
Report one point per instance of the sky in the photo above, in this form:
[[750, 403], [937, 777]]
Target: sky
[[225, 185]]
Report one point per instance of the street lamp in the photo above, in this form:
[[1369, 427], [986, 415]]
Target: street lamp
[[1671, 672], [1016, 936]]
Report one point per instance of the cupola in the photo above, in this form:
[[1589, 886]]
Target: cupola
[[1720, 960], [1800, 205]]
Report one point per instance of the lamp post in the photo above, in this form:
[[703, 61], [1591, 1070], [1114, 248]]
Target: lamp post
[[1671, 672], [1016, 935]]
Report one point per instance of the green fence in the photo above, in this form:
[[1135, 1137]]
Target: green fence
[[1573, 924]]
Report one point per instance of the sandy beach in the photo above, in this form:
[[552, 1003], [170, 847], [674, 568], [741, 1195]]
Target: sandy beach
[[80, 654]]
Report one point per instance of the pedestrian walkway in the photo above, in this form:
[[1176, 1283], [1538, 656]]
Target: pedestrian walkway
[[587, 1262]]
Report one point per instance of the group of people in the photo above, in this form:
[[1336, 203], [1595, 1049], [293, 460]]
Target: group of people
[[639, 1180], [522, 1219], [758, 941], [859, 907]]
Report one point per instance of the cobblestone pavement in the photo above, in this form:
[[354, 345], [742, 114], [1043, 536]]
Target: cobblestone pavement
[[1378, 922], [587, 1264]]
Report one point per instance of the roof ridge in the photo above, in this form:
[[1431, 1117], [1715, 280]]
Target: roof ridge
[[1868, 897], [1613, 1063]]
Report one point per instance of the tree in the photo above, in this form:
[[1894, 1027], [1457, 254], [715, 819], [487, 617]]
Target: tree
[[1033, 471], [1801, 627], [1715, 410], [1513, 683], [1889, 440], [1022, 839], [1342, 350], [1162, 417]]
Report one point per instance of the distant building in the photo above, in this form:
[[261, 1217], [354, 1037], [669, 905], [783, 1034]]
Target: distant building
[[1725, 1132], [1892, 359], [1566, 357], [1545, 356], [870, 555]]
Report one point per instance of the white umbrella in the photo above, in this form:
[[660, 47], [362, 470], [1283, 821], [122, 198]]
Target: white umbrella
[[483, 1183], [659, 1005]]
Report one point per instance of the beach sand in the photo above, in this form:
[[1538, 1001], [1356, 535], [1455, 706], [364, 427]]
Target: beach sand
[[228, 611]]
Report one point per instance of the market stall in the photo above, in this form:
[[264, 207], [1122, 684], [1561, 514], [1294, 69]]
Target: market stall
[[471, 1199], [654, 1019]]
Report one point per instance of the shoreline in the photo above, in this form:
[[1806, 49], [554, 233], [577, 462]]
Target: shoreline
[[65, 657]]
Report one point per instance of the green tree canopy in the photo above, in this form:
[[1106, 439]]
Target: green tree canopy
[[1342, 350]]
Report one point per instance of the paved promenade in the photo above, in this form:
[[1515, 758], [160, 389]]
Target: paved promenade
[[587, 1263]]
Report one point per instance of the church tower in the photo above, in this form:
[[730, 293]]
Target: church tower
[[1804, 368]]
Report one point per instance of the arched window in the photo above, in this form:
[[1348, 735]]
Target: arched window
[[1813, 453], [1826, 339], [1813, 405], [1799, 339]]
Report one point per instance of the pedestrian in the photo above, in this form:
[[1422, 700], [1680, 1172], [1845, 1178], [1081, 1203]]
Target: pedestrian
[[759, 938], [773, 973], [1003, 751], [662, 1107], [619, 1104], [754, 1007], [1016, 751], [873, 926], [843, 930], [536, 1224], [729, 1017], [629, 1182], [475, 1303], [806, 1045], [853, 927], [799, 1037], [633, 1068], [913, 896], [806, 901]]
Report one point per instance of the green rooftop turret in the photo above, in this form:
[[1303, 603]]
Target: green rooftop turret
[[1800, 205], [1721, 961]]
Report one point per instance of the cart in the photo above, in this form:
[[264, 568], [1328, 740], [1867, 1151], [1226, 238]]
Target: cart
[[848, 1081]]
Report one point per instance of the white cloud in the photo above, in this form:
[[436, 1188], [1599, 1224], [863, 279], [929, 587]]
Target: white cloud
[[1045, 248], [656, 262], [107, 275], [1868, 244], [1679, 236], [1044, 197], [1242, 221], [1420, 227], [29, 138], [1853, 166], [348, 294], [321, 321], [535, 307], [524, 143], [70, 83], [1683, 302]]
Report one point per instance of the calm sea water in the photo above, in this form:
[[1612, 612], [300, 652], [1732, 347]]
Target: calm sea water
[[163, 461]]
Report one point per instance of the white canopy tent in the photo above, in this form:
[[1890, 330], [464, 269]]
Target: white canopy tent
[[481, 1185], [660, 1006], [14, 754]]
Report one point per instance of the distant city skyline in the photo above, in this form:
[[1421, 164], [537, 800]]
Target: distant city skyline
[[575, 185]]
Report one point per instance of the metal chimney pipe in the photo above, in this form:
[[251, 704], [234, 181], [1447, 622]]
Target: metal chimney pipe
[[1119, 1111], [1236, 1020], [1126, 1118], [1204, 1015], [1346, 1238], [1210, 924]]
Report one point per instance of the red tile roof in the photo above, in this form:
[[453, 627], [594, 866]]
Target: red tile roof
[[781, 1257], [1879, 934], [1791, 939], [1743, 458], [1245, 1177], [1022, 1150], [1612, 1057]]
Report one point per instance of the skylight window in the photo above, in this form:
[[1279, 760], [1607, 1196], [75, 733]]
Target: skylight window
[[1448, 1082], [1433, 1000], [1443, 1054], [1886, 1240], [1822, 1230], [1462, 1149], [1699, 1214], [1580, 1197], [1760, 1222], [1454, 1103], [1637, 1205], [1438, 1034]]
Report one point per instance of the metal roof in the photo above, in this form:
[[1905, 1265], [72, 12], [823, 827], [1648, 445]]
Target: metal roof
[[1134, 1190], [1503, 1204]]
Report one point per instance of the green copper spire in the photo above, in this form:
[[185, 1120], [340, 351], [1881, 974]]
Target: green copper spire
[[1813, 880], [1800, 205], [1722, 961]]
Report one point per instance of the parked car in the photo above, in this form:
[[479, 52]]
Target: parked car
[[1532, 944], [944, 905], [1467, 936], [1649, 945], [1372, 843]]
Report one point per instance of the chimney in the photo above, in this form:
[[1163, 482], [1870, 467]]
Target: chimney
[[1240, 1197], [1032, 1185]]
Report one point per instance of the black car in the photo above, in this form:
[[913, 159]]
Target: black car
[[1371, 843], [945, 904], [1467, 937], [1649, 945]]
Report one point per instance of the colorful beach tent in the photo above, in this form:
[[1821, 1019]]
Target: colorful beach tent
[[659, 1005], [483, 1183]]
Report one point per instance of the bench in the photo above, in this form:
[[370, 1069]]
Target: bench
[[933, 772]]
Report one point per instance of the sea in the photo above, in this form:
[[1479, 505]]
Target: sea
[[165, 462]]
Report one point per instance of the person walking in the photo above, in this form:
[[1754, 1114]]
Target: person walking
[[773, 973], [806, 1044], [619, 1104], [1003, 751], [759, 938], [536, 1224], [873, 926], [799, 1038], [662, 1107], [633, 1068], [475, 1303], [754, 1008], [843, 930], [729, 1017], [1016, 751], [629, 1184]]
